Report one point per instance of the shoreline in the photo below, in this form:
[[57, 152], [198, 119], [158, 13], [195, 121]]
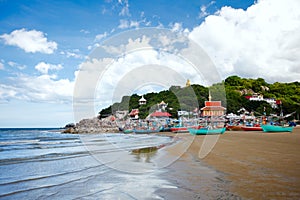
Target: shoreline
[[254, 165]]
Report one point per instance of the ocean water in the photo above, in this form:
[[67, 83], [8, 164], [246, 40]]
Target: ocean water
[[44, 164]]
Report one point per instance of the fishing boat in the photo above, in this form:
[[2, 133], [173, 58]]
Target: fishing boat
[[234, 128], [181, 129], [128, 131], [146, 131], [273, 128], [251, 128], [206, 131], [184, 129]]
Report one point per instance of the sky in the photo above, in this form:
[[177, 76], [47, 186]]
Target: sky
[[55, 56]]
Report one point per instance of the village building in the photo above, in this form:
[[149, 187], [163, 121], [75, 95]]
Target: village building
[[159, 114], [121, 114], [260, 97], [213, 108], [162, 106], [134, 114]]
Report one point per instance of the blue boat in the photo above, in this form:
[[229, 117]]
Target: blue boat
[[146, 131], [207, 131], [273, 128]]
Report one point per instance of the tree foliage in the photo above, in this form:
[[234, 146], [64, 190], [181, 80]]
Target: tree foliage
[[231, 92]]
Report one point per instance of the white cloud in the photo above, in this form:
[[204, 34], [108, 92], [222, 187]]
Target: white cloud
[[176, 27], [84, 31], [203, 9], [44, 88], [30, 41], [123, 24], [262, 41], [131, 24], [135, 24], [140, 68], [101, 36], [45, 67], [1, 66], [125, 9]]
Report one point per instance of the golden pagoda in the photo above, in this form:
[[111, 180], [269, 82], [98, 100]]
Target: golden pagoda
[[188, 83]]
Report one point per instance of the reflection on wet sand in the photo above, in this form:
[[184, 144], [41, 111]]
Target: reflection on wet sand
[[144, 154]]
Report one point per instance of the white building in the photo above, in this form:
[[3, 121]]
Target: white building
[[142, 101]]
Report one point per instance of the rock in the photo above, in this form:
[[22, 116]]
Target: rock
[[94, 125]]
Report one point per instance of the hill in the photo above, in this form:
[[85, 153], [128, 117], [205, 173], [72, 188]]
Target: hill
[[232, 92]]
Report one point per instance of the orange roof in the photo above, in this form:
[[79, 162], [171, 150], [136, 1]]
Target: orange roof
[[212, 103], [160, 114], [134, 112]]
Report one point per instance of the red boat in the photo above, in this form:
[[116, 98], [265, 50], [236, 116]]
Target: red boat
[[234, 128], [252, 128], [183, 129]]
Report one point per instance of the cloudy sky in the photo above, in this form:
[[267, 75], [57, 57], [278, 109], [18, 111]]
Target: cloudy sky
[[47, 46]]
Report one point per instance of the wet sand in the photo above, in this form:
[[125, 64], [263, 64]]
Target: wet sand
[[242, 165]]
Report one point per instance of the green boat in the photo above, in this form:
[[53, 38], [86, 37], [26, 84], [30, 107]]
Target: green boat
[[272, 128], [128, 131], [206, 131]]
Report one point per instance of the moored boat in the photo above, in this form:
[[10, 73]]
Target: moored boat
[[273, 128], [179, 129], [128, 131], [234, 128], [251, 128], [206, 131], [146, 131]]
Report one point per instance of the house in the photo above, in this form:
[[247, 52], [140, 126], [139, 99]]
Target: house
[[134, 114]]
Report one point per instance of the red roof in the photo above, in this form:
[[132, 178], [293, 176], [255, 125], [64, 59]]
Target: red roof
[[160, 114], [134, 112], [212, 103]]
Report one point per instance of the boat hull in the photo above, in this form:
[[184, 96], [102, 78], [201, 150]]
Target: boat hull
[[251, 128], [128, 131], [146, 131], [234, 128], [271, 128], [205, 131], [179, 129]]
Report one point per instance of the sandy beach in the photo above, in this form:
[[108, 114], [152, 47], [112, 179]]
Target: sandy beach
[[248, 165]]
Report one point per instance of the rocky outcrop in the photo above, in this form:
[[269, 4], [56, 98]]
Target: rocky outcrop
[[94, 125], [246, 91]]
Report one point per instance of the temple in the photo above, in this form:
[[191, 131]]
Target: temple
[[213, 108], [142, 101], [188, 83]]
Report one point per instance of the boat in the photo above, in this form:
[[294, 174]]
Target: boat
[[234, 128], [206, 131], [273, 128], [146, 131], [251, 128], [184, 129], [128, 131], [181, 129]]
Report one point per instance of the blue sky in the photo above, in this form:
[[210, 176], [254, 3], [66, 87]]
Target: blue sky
[[44, 44]]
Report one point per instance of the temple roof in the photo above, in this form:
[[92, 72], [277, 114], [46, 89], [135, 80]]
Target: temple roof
[[134, 112], [142, 99], [162, 103], [160, 114]]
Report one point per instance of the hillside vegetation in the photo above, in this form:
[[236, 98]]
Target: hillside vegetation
[[231, 92]]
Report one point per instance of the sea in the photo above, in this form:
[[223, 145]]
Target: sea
[[39, 163]]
